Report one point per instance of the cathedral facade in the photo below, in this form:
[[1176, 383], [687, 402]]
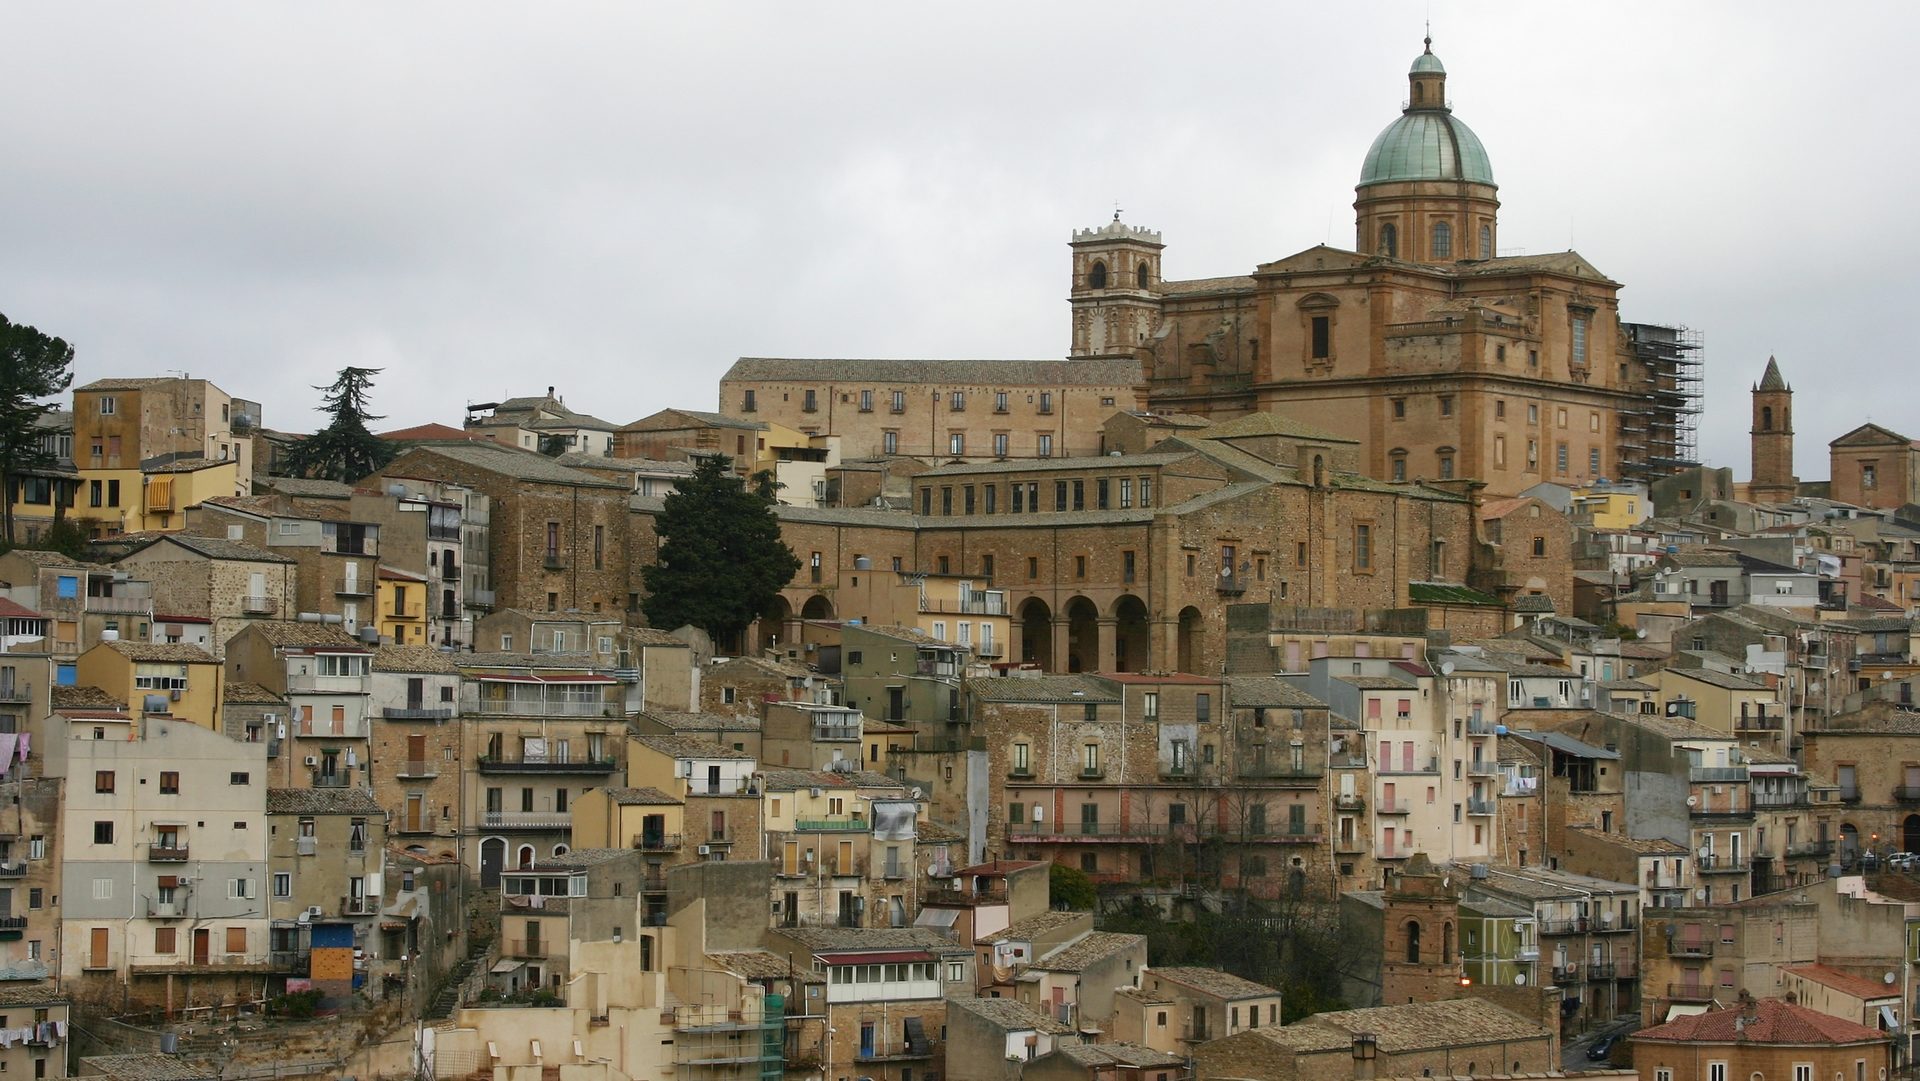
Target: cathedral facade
[[1442, 357]]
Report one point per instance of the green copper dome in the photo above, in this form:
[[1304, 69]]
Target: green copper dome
[[1426, 63], [1426, 144]]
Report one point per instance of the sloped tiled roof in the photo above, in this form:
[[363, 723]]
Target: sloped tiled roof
[[1844, 982], [512, 462], [321, 801], [1269, 691], [1026, 930], [1010, 1015], [641, 797], [1044, 689], [1214, 982], [216, 548], [689, 747], [161, 652], [1088, 950], [246, 692], [422, 659], [963, 373], [1773, 1022], [84, 697], [290, 634], [1415, 1026]]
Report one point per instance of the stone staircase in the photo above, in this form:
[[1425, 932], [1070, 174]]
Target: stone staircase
[[444, 1003]]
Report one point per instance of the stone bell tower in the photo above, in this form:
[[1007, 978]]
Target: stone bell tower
[[1772, 433], [1116, 272]]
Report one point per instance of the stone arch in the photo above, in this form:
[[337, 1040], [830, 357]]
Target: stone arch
[[1389, 240], [1849, 842], [524, 856], [1097, 275], [1036, 633], [1131, 638], [1413, 942], [1446, 942], [1083, 635], [1142, 276], [493, 857], [773, 624], [817, 607], [560, 850], [1766, 418], [1442, 240], [1191, 639]]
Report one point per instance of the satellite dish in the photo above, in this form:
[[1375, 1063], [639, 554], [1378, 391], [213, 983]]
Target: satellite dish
[[1693, 801], [1699, 894], [1446, 668], [1519, 979], [1641, 633], [1888, 978]]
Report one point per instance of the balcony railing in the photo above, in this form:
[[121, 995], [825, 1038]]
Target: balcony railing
[[1717, 773], [16, 869], [259, 606], [302, 681], [331, 780], [1614, 923], [1109, 831], [1717, 864], [1601, 970], [831, 825], [1393, 807], [526, 820], [1482, 767], [358, 906], [1810, 850], [1431, 765], [1350, 846], [16, 692], [166, 853], [415, 713], [1759, 723], [657, 842], [524, 947], [1283, 774], [165, 910], [418, 768], [1231, 585], [1906, 793], [1480, 807], [1350, 801], [353, 587], [119, 605], [1690, 992], [547, 764], [1677, 947], [1577, 925], [537, 707], [1482, 728]]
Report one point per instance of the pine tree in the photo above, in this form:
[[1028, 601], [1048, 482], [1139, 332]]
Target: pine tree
[[33, 368], [344, 450], [722, 561]]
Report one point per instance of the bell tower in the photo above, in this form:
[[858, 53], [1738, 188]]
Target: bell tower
[[1772, 433], [1115, 298]]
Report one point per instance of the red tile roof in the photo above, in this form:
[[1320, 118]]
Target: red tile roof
[[12, 609], [1773, 1021], [1844, 982]]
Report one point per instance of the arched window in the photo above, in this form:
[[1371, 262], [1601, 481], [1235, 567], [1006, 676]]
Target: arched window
[[1766, 418], [1446, 951], [1486, 242], [1097, 276], [1389, 240], [1140, 276], [525, 857], [1442, 240], [1413, 942], [1419, 93]]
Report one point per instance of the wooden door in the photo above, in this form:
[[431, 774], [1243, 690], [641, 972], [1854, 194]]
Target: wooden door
[[98, 955], [202, 945], [416, 754]]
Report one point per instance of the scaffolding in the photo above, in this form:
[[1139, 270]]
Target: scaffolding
[[1656, 434]]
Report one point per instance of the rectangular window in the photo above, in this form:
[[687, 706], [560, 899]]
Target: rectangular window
[[107, 405], [992, 491], [1100, 489], [1033, 568], [1126, 492], [236, 940], [1446, 405], [926, 502], [1019, 499], [1560, 458], [103, 780], [1046, 401], [1150, 705], [1579, 339], [1593, 461], [956, 443], [163, 940], [1044, 445], [242, 778], [810, 403], [986, 561], [999, 444], [1079, 495], [957, 401], [1362, 547], [866, 401], [1126, 566], [103, 833], [946, 500], [899, 402], [890, 442], [1059, 495], [282, 884], [1322, 337]]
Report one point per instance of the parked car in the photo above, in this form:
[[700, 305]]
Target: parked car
[[1602, 1048]]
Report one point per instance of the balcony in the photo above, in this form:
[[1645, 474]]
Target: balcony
[[318, 779], [1677, 947], [359, 906], [1349, 801], [1393, 807], [1627, 968], [526, 820], [418, 769], [125, 606], [1350, 846], [503, 706], [547, 764], [1093, 773], [259, 606], [449, 571], [306, 846], [480, 598], [1601, 970], [1481, 767], [1906, 794], [1231, 585], [1482, 728], [236, 963], [301, 682], [1431, 766], [21, 693], [1094, 831], [830, 825], [291, 962], [1717, 774], [834, 733], [1614, 923], [1572, 926], [1690, 992], [1759, 722], [657, 842], [13, 870], [553, 561], [1302, 775], [1721, 865], [1257, 834], [415, 713], [165, 910], [1810, 850], [353, 587], [159, 852], [1566, 974], [1480, 807]]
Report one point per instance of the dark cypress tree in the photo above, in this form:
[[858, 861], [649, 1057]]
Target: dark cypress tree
[[344, 450], [33, 368], [722, 561]]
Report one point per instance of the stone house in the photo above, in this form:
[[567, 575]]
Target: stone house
[[78, 602], [326, 853], [558, 537], [157, 680], [1585, 927], [417, 744], [338, 558], [1767, 1037], [1532, 551], [323, 673], [546, 907], [1206, 1004], [231, 583], [645, 819], [718, 784], [1461, 1037], [884, 992], [1699, 955], [844, 846]]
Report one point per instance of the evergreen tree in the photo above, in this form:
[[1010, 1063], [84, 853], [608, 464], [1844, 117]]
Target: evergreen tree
[[33, 368], [344, 450], [722, 561]]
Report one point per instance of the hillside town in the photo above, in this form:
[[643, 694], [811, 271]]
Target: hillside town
[[1342, 669]]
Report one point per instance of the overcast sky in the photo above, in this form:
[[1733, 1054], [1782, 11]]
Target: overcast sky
[[620, 199]]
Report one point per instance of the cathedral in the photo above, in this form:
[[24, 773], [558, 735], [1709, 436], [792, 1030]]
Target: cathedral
[[1444, 358]]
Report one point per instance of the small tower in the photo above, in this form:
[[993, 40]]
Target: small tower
[[1773, 480], [1426, 191], [1420, 953], [1116, 275]]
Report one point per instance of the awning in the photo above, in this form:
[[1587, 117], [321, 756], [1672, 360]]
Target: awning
[[577, 677], [937, 917], [893, 957], [1888, 1022], [507, 966], [1683, 1011]]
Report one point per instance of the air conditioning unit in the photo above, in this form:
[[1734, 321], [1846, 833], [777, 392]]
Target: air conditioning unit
[[174, 694], [313, 760], [315, 912], [706, 850]]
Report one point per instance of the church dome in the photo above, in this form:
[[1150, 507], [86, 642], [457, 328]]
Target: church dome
[[1426, 144], [1427, 64]]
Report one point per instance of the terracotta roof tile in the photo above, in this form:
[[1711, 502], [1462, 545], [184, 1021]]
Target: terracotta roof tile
[[1773, 1021]]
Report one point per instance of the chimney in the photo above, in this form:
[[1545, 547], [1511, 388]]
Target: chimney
[[1364, 1050]]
